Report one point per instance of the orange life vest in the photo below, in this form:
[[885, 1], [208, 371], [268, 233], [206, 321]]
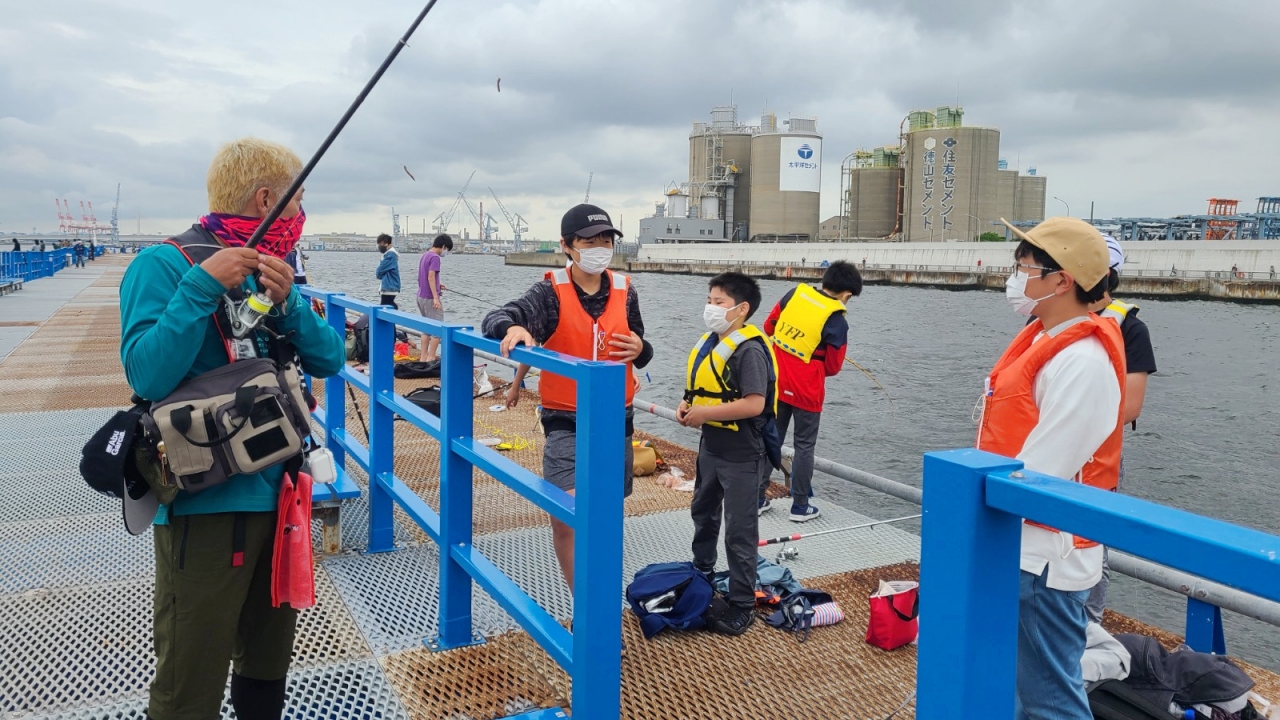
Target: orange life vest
[[1009, 410], [578, 334]]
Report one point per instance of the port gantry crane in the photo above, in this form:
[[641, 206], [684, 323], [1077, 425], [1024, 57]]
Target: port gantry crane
[[442, 221], [517, 223], [484, 220]]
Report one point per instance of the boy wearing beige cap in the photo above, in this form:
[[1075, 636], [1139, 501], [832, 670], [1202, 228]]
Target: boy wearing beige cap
[[1055, 401]]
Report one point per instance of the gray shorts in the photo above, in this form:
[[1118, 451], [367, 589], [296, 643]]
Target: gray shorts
[[429, 312], [559, 461]]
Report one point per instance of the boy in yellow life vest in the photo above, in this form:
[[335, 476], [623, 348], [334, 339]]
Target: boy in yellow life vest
[[730, 391], [810, 337]]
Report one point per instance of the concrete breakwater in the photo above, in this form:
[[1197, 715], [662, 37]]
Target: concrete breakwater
[[1206, 285]]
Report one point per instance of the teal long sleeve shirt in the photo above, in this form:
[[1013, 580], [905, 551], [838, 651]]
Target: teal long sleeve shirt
[[167, 336]]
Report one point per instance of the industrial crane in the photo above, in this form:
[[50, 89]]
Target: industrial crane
[[587, 199], [442, 221], [517, 223], [483, 219]]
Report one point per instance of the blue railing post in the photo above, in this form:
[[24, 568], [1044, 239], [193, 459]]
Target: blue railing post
[[597, 542], [968, 591], [335, 399], [1204, 627], [382, 340], [456, 492]]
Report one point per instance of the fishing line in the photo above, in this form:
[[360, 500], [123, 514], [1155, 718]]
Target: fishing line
[[284, 199], [473, 297]]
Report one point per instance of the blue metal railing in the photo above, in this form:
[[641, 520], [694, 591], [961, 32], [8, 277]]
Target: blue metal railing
[[591, 654], [30, 265], [971, 535]]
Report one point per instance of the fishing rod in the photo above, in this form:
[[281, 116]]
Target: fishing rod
[[250, 312], [867, 373], [788, 553]]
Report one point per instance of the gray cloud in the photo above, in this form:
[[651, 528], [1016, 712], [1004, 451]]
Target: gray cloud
[[1146, 106]]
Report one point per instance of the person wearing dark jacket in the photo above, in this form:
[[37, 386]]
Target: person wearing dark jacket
[[214, 549], [586, 311], [810, 335], [1140, 362]]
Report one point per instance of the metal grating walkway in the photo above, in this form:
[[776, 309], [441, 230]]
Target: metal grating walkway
[[75, 589]]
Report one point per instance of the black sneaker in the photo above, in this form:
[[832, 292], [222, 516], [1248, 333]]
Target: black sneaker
[[735, 621]]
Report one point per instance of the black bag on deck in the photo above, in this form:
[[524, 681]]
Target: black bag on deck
[[360, 330], [1113, 700], [427, 398], [414, 370]]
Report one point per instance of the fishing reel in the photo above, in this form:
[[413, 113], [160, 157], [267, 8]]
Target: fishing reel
[[247, 314], [785, 553]]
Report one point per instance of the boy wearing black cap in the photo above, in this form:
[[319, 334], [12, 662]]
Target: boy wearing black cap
[[587, 311]]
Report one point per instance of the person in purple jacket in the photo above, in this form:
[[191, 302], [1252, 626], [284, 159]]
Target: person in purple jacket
[[429, 289]]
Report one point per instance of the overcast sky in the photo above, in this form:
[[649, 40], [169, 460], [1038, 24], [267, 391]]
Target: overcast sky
[[1147, 107]]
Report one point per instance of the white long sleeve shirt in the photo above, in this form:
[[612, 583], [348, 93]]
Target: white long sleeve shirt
[[1078, 397]]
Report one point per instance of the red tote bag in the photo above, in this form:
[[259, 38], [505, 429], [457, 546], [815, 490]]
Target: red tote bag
[[895, 615]]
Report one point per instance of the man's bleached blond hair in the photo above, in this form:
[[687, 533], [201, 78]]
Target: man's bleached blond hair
[[243, 166]]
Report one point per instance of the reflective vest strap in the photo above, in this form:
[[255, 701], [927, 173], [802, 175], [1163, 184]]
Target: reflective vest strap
[[560, 277], [1118, 311], [619, 281], [705, 346]]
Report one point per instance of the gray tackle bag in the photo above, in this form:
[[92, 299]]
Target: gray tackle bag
[[239, 418]]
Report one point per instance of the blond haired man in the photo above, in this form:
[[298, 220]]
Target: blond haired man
[[214, 549]]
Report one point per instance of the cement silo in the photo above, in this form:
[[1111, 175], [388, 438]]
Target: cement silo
[[719, 164], [786, 177], [1029, 200], [870, 187], [952, 184]]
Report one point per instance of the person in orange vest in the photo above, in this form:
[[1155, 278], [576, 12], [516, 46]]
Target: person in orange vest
[[584, 310], [1055, 401]]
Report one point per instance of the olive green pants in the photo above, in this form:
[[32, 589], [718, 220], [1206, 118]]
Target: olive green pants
[[210, 613]]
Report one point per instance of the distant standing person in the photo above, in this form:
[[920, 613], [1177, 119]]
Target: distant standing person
[[388, 271], [17, 247], [91, 250], [429, 287], [42, 248], [295, 260], [79, 251]]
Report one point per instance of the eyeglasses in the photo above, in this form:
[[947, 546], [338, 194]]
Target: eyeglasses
[[1045, 272]]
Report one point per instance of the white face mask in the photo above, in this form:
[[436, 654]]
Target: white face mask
[[594, 261], [1015, 291], [714, 317]]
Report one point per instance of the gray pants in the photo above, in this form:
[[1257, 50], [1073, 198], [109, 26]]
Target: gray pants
[[1097, 601], [731, 485], [805, 441]]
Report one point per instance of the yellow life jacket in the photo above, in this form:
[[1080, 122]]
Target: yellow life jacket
[[1118, 310], [799, 327], [705, 382]]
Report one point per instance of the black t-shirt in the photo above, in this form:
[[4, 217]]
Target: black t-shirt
[[748, 373], [1139, 356], [1138, 353]]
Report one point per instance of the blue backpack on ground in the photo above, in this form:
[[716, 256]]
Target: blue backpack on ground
[[669, 595]]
